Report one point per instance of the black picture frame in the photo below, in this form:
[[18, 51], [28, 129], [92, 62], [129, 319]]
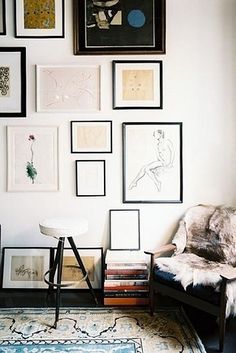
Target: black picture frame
[[139, 27], [90, 178], [91, 136], [2, 17], [153, 174], [25, 28], [137, 84], [13, 93], [124, 229]]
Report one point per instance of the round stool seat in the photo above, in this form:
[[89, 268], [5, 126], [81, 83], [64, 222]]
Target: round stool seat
[[63, 227]]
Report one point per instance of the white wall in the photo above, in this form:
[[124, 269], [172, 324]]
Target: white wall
[[199, 90]]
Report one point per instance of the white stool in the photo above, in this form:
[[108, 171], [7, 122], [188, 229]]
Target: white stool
[[62, 228]]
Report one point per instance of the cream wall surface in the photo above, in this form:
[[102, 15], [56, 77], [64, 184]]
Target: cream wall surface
[[199, 76]]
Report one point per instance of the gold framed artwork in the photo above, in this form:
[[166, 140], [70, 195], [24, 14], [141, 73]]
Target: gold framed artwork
[[93, 136], [39, 19], [137, 84]]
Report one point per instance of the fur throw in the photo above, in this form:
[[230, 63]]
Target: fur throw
[[206, 247]]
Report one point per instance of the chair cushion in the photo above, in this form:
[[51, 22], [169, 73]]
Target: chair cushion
[[206, 293]]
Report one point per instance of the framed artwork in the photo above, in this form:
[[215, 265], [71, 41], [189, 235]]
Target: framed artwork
[[119, 27], [68, 88], [152, 162], [72, 276], [124, 229], [137, 84], [12, 82], [25, 267], [2, 17], [39, 19], [93, 136], [90, 178], [32, 158]]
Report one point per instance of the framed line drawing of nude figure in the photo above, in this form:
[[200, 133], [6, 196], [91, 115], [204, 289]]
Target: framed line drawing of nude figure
[[152, 162]]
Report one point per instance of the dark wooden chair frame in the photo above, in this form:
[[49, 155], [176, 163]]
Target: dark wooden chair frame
[[213, 309]]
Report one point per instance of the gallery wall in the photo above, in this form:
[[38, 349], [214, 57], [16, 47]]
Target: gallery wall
[[199, 90]]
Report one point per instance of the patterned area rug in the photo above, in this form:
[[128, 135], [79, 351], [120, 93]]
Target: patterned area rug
[[97, 330]]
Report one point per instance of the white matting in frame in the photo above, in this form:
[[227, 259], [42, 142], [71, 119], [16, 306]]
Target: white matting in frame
[[124, 229], [94, 136], [25, 267], [39, 19], [90, 178], [72, 275], [32, 158], [68, 88]]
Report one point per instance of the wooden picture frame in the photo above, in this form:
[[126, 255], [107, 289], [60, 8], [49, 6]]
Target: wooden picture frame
[[90, 178], [153, 174], [32, 158], [119, 27], [91, 136], [72, 276], [25, 267], [137, 84], [39, 19], [12, 82]]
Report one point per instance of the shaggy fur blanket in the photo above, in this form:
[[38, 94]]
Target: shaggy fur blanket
[[206, 248]]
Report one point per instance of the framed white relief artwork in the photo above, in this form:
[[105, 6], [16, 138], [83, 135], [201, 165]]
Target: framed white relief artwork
[[32, 158], [68, 88]]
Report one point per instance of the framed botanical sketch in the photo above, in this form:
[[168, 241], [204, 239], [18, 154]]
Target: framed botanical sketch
[[124, 229], [90, 178], [92, 136], [39, 19], [137, 84], [32, 158], [72, 275], [152, 162], [12, 82], [119, 27], [68, 88], [2, 17], [25, 267]]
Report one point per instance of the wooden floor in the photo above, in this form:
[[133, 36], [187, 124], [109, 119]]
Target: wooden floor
[[204, 324]]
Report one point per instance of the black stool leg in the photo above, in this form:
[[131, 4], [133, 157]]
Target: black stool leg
[[59, 262], [81, 265]]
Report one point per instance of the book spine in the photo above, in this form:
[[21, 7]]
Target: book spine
[[111, 287], [126, 301], [127, 277], [125, 272], [125, 265], [123, 282], [116, 294]]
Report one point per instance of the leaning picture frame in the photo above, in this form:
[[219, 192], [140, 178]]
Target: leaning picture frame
[[39, 19], [12, 82], [2, 17], [119, 27], [152, 174], [124, 225], [91, 136], [137, 84], [68, 88], [32, 158], [72, 277], [25, 267], [90, 178]]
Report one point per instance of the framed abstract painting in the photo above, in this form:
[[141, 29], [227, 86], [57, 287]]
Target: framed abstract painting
[[119, 27], [39, 19], [152, 162], [32, 158], [12, 82]]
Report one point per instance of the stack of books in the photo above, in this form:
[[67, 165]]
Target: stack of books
[[126, 278]]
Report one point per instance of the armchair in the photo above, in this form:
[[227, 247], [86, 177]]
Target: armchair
[[202, 269]]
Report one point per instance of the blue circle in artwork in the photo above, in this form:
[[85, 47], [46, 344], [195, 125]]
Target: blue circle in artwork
[[136, 18]]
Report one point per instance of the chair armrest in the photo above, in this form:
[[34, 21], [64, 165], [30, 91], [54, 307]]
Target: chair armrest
[[161, 250], [229, 274]]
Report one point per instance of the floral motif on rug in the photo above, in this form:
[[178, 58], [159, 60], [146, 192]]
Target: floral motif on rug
[[97, 330]]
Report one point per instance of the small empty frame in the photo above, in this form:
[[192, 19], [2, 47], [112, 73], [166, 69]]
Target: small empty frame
[[124, 229], [90, 178]]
